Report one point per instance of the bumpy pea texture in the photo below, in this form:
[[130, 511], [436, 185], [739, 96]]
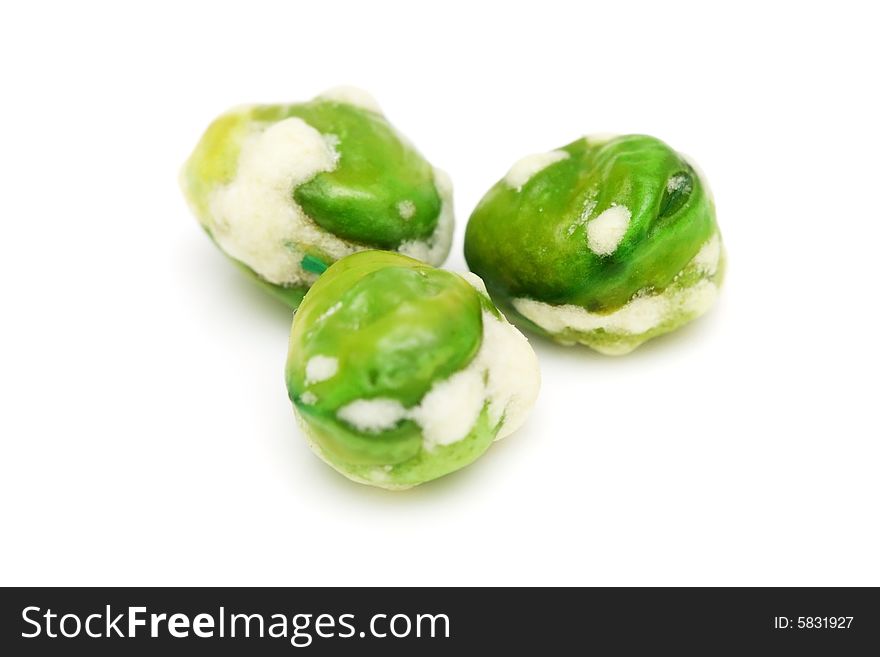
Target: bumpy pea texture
[[609, 242], [286, 190], [382, 333]]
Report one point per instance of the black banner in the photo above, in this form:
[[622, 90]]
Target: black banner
[[419, 621]]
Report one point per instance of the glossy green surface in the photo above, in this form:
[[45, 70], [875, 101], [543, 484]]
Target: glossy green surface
[[377, 169], [396, 327], [213, 162], [532, 242], [622, 343], [419, 468], [358, 201]]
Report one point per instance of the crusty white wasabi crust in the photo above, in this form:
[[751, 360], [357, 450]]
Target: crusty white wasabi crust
[[256, 220], [435, 249], [523, 169], [606, 230], [643, 313], [378, 476], [406, 209], [352, 96], [372, 414], [320, 368], [504, 375], [676, 182], [709, 256]]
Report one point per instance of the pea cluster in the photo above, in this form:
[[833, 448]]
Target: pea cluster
[[399, 372]]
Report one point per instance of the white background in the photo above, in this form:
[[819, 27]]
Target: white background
[[146, 433]]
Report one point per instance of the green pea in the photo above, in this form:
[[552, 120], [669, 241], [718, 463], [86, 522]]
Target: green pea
[[400, 373], [286, 190], [603, 242]]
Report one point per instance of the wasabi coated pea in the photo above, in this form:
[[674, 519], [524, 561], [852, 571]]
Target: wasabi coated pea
[[286, 190], [606, 242], [400, 373]]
